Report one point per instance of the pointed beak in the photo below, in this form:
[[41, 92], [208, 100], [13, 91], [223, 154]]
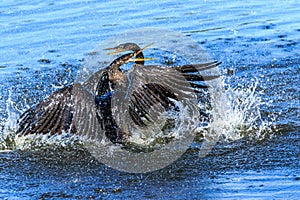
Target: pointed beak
[[114, 51]]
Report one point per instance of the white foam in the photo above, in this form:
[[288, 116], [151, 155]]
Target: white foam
[[237, 114]]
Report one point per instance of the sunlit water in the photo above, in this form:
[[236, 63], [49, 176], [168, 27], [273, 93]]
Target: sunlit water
[[43, 45]]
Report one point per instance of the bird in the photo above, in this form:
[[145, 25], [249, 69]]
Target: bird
[[112, 100]]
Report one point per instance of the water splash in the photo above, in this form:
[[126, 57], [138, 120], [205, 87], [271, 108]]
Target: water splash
[[244, 119], [7, 141], [237, 114]]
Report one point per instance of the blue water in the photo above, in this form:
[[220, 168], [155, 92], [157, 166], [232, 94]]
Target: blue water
[[44, 43]]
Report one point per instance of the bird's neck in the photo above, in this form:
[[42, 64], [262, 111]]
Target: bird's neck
[[115, 73]]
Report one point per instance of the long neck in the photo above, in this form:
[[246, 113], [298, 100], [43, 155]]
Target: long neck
[[117, 63], [115, 72]]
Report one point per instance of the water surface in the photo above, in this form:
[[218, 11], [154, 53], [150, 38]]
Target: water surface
[[43, 44]]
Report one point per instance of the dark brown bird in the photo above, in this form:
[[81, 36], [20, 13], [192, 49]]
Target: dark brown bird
[[111, 100]]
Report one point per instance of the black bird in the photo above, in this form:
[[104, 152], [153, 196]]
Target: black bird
[[112, 99]]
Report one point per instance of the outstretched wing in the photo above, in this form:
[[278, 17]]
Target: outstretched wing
[[51, 116], [150, 85], [69, 110]]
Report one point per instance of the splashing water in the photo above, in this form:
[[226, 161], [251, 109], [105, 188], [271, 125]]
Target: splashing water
[[244, 119], [235, 111], [7, 141], [238, 115]]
